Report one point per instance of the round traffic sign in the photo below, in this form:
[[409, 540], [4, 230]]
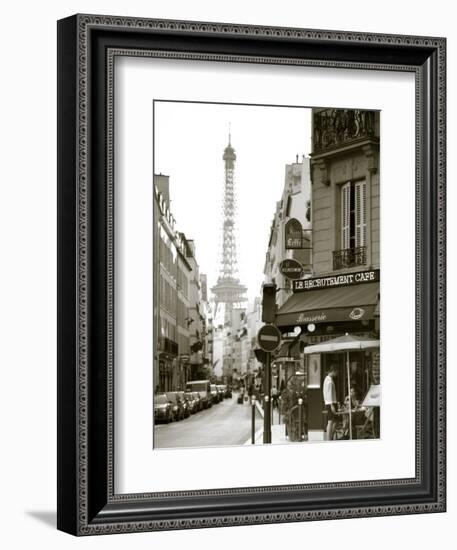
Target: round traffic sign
[[269, 338]]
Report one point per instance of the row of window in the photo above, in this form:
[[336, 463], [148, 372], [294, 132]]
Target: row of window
[[171, 302], [167, 295], [166, 256], [183, 283], [167, 329], [183, 314], [169, 261]]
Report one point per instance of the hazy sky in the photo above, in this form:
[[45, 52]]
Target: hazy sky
[[189, 142]]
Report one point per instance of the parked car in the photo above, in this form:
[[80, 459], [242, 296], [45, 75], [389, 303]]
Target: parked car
[[193, 402], [176, 405], [228, 391], [162, 408], [198, 400], [185, 403], [214, 393], [221, 389], [203, 388]]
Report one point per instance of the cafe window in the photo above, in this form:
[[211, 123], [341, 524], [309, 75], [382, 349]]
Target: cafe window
[[353, 215]]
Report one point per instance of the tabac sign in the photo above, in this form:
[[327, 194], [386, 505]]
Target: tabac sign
[[331, 281]]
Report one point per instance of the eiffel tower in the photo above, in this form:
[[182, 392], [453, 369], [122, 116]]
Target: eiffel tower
[[228, 290]]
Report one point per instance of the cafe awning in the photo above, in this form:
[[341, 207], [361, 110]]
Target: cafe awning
[[329, 305]]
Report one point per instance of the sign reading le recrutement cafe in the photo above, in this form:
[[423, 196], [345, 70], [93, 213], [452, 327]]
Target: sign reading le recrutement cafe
[[331, 281]]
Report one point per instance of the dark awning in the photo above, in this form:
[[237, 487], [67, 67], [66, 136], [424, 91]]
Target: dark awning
[[329, 305]]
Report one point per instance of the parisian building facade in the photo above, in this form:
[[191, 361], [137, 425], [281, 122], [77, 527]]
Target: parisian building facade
[[339, 294], [295, 204], [180, 313], [346, 237]]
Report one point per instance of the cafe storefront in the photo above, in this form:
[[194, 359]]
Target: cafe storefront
[[325, 308]]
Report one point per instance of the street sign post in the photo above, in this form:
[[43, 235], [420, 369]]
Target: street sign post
[[269, 339]]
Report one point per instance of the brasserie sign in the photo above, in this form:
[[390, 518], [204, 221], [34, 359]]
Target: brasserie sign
[[345, 279]]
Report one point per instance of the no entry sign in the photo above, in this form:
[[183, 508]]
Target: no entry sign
[[269, 338]]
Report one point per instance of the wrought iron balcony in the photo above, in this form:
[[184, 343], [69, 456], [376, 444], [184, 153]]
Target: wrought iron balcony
[[168, 346], [349, 257], [335, 127]]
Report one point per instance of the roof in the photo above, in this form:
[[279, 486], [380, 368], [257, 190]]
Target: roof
[[327, 305]]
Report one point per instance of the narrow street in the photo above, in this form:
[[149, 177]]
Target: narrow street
[[227, 423]]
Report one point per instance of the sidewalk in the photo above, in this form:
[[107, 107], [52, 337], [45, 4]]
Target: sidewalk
[[278, 431], [278, 436]]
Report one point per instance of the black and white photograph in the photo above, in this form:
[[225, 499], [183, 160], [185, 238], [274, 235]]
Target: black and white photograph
[[228, 255], [266, 237]]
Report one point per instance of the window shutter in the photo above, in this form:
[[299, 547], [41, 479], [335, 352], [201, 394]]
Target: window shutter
[[345, 215], [360, 214]]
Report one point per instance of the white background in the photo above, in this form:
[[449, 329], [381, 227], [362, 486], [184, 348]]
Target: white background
[[28, 237], [137, 81]]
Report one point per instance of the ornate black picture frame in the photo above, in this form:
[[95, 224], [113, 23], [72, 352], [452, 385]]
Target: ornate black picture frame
[[87, 503]]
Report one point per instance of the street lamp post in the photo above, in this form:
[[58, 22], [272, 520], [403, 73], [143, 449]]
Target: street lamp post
[[267, 402], [253, 419], [300, 417]]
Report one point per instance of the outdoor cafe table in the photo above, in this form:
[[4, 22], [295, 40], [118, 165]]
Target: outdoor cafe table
[[344, 412]]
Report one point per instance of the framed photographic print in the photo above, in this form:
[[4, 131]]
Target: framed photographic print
[[251, 273]]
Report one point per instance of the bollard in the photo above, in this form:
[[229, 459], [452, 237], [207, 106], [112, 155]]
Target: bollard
[[300, 418], [253, 419], [267, 419], [267, 402]]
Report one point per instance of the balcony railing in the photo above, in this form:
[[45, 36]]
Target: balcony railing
[[334, 127], [349, 257], [168, 346]]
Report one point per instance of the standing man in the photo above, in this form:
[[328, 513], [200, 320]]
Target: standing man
[[329, 391]]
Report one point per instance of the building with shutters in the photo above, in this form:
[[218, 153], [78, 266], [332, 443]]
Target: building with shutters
[[345, 202], [342, 296], [180, 321]]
